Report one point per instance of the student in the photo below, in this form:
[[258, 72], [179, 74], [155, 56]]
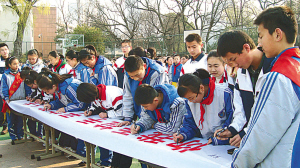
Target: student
[[138, 71], [184, 59], [103, 73], [239, 50], [210, 106], [79, 71], [175, 70], [198, 59], [30, 81], [12, 88], [59, 65], [162, 109], [33, 61], [168, 63], [106, 100], [4, 52], [275, 114], [217, 68], [63, 88], [119, 63]]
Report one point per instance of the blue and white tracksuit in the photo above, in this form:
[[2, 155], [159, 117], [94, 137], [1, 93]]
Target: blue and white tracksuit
[[82, 73], [2, 69], [217, 115], [171, 112], [243, 98], [273, 124], [104, 73], [15, 122], [156, 75], [37, 94], [68, 97]]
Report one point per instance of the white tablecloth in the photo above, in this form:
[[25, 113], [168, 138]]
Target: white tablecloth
[[150, 146]]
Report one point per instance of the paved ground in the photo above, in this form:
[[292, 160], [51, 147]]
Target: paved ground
[[19, 156]]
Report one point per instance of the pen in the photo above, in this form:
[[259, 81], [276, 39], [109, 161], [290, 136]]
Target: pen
[[46, 103], [221, 131]]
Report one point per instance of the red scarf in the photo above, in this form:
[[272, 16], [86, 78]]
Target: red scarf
[[158, 114], [288, 66], [58, 64], [58, 93], [176, 67], [148, 70], [102, 92], [95, 64], [13, 88], [207, 101]]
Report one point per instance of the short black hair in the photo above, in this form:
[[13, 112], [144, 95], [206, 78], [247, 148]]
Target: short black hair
[[30, 77], [3, 44], [145, 94], [279, 17], [193, 37], [55, 54], [93, 49], [186, 56], [87, 92], [133, 63], [8, 61], [191, 82], [233, 41], [214, 53], [85, 54], [152, 52], [33, 52], [139, 51], [126, 41], [46, 78]]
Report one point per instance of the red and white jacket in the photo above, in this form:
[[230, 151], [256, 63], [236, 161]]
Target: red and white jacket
[[110, 101]]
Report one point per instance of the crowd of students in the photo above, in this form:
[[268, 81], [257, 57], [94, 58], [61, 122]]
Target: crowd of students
[[241, 94]]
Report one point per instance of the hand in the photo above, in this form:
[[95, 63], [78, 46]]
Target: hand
[[209, 141], [38, 101], [28, 98], [134, 130], [123, 123], [170, 82], [235, 141], [32, 100], [179, 137], [47, 106], [103, 115], [224, 135], [61, 110], [7, 101], [86, 113]]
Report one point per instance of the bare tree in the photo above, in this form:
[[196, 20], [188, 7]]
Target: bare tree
[[66, 15], [265, 3]]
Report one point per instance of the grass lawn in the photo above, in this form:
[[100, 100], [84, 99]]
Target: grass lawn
[[135, 163]]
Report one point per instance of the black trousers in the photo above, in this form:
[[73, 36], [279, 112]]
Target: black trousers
[[121, 161]]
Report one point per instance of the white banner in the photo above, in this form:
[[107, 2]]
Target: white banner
[[150, 146]]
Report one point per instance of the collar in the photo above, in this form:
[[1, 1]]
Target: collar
[[201, 55]]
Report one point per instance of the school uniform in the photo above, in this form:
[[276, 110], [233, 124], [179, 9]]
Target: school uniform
[[193, 64], [168, 116], [110, 101], [154, 74], [12, 88], [36, 67], [174, 72], [2, 115], [225, 80], [104, 73], [81, 72], [245, 91], [215, 114], [65, 96], [275, 116], [35, 93], [119, 68]]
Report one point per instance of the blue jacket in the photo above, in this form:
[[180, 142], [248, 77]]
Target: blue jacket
[[68, 96], [175, 77], [82, 73], [170, 112], [153, 69], [104, 73]]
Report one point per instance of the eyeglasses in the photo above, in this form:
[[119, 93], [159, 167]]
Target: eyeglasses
[[125, 46]]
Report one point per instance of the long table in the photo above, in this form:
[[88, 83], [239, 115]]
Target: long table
[[150, 146]]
